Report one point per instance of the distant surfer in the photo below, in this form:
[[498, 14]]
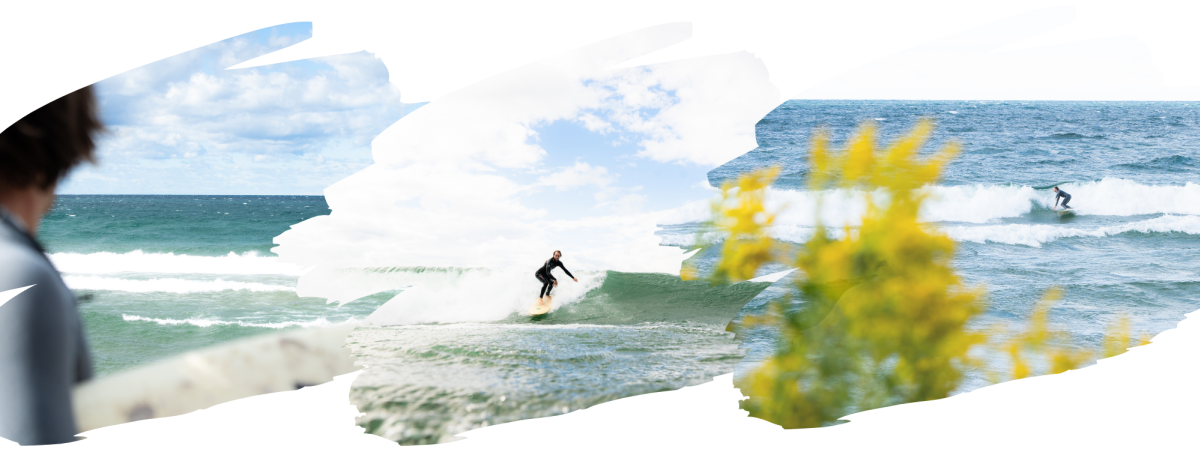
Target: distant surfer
[[1066, 197], [548, 281]]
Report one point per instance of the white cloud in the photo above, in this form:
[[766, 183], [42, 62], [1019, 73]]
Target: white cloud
[[440, 192], [620, 202], [595, 124], [278, 116], [579, 175], [698, 111]]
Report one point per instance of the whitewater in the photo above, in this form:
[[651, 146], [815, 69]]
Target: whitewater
[[438, 286]]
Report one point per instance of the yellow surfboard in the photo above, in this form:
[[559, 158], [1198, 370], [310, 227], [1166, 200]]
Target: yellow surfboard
[[542, 309]]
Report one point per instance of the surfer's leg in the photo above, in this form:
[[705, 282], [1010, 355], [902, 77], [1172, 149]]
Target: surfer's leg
[[1065, 201], [545, 289]]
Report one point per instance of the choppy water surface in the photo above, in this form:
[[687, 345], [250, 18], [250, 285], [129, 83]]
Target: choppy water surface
[[165, 274], [1133, 170]]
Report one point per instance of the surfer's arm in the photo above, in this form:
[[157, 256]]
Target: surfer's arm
[[565, 270], [38, 354]]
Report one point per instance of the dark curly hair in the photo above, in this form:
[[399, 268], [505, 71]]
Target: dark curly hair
[[42, 147]]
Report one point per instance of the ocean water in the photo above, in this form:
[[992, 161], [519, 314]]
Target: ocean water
[[161, 275], [1133, 170]]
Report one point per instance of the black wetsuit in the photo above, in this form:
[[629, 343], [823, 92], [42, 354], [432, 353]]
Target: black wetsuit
[[543, 275], [1066, 197]]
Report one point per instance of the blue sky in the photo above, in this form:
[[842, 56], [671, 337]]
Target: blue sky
[[611, 177], [185, 125]]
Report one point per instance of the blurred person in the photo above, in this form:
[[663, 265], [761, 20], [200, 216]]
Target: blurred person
[[43, 351]]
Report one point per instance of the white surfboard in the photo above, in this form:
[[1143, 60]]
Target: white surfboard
[[203, 378], [542, 309], [1065, 212]]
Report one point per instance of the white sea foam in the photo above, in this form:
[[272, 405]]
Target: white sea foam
[[1013, 234], [790, 233], [842, 207], [343, 285], [967, 203], [141, 262], [1122, 197], [441, 195], [166, 285], [687, 239], [971, 204], [1036, 235], [476, 295], [200, 322]]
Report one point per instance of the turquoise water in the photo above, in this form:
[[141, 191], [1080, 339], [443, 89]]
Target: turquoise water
[[138, 314], [161, 275], [179, 224], [1132, 167]]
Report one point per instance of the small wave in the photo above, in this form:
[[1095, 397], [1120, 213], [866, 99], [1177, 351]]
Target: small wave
[[1071, 136], [968, 203], [1036, 235], [166, 285], [467, 295], [140, 262], [1168, 163], [600, 298], [1121, 197], [688, 240], [200, 322], [1013, 234]]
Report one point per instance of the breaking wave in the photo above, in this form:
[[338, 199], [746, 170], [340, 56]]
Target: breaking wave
[[166, 285], [201, 322], [141, 262]]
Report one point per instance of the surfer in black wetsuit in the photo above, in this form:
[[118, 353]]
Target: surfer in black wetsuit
[[548, 281], [1066, 197]]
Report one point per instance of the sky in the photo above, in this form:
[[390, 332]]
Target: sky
[[186, 125], [803, 44], [195, 124], [561, 153]]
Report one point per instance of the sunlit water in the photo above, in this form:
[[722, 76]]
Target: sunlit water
[[1135, 253]]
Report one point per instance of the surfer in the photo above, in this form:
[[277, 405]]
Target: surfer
[[43, 350], [548, 281], [1066, 197]]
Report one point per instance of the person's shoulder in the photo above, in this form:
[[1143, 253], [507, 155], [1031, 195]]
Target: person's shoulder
[[22, 266], [47, 301]]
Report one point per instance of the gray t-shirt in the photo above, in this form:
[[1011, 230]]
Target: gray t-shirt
[[43, 351]]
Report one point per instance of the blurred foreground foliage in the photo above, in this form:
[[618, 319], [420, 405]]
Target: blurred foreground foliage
[[885, 316]]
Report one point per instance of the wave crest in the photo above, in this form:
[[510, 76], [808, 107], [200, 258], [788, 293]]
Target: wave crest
[[201, 322], [1036, 235], [141, 262], [166, 285], [967, 203]]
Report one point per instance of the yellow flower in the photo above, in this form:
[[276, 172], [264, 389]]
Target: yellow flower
[[885, 314]]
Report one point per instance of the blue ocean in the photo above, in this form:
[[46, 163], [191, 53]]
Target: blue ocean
[[161, 275]]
